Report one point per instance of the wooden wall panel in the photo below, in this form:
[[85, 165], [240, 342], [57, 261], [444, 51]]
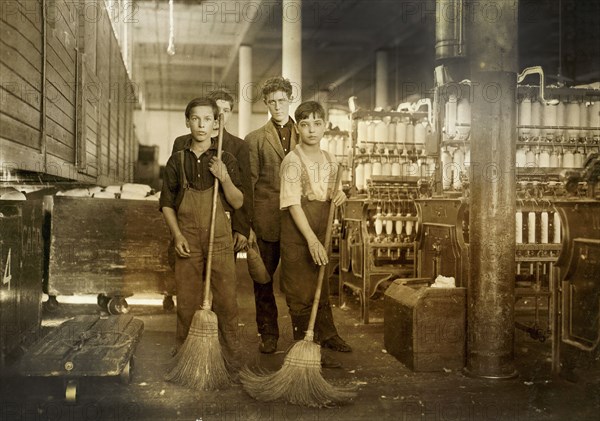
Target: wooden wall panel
[[88, 113], [20, 98]]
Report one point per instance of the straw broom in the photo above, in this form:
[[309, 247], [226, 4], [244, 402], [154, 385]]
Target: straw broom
[[200, 363], [299, 380]]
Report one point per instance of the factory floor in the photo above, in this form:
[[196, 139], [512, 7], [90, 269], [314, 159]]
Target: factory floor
[[387, 390]]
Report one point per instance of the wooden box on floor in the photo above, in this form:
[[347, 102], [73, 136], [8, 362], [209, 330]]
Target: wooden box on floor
[[21, 251], [116, 247], [424, 328]]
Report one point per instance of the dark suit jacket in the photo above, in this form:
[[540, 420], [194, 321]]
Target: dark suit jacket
[[242, 218], [266, 154]]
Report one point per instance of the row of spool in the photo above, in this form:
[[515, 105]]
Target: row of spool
[[391, 165], [398, 132], [552, 157], [392, 224], [535, 227], [552, 121], [559, 121]]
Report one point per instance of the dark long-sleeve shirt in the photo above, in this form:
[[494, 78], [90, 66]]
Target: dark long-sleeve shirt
[[241, 218], [198, 176]]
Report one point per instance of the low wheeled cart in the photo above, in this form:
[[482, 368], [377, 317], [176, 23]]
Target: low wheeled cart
[[112, 248], [85, 346]]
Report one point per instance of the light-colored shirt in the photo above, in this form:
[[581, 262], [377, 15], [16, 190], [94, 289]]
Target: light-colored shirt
[[301, 176]]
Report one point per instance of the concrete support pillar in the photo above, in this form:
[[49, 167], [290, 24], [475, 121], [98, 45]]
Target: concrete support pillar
[[291, 61], [246, 91], [381, 79], [492, 44]]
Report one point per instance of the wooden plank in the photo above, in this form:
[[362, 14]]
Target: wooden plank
[[16, 41], [23, 33], [62, 168], [14, 61], [18, 132], [90, 32], [18, 109], [69, 17], [17, 156], [21, 87], [63, 78], [58, 149]]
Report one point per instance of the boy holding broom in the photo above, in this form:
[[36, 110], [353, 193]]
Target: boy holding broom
[[186, 201], [307, 187]]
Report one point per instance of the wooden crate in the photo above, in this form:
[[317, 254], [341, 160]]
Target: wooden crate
[[115, 247], [424, 328], [21, 258]]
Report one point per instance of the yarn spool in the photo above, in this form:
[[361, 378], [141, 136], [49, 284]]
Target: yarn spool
[[531, 228], [572, 120], [536, 118], [556, 238], [446, 170], [550, 117], [410, 136], [525, 118], [451, 114], [544, 227], [378, 222], [376, 167], [381, 132], [458, 159], [361, 132], [409, 226], [371, 132], [521, 158], [399, 225], [519, 227], [568, 160], [544, 159], [360, 176], [391, 137]]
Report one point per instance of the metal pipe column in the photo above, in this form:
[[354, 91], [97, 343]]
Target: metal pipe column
[[381, 79], [291, 60], [246, 91], [492, 43]]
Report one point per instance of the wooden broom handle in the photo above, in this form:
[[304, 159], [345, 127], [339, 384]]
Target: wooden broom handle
[[206, 304], [315, 306]]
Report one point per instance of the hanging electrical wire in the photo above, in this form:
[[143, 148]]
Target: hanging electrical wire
[[171, 47]]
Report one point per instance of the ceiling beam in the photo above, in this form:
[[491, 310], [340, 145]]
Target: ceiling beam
[[251, 26], [201, 39], [181, 61], [369, 59]]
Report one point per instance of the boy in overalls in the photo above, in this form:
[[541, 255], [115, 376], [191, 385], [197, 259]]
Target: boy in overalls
[[307, 188], [186, 202]]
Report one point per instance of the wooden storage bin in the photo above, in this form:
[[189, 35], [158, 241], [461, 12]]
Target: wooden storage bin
[[116, 247], [424, 328]]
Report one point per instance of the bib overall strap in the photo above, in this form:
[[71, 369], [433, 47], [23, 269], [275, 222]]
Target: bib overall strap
[[184, 183]]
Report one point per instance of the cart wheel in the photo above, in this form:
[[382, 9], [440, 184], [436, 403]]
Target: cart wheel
[[52, 304], [117, 305], [102, 301], [71, 391], [125, 375], [168, 303]]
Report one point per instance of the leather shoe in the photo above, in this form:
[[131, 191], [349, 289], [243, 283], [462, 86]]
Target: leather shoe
[[329, 362], [268, 344], [337, 344]]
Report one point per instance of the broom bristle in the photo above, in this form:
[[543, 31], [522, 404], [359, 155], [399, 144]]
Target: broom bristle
[[298, 381], [199, 364]]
